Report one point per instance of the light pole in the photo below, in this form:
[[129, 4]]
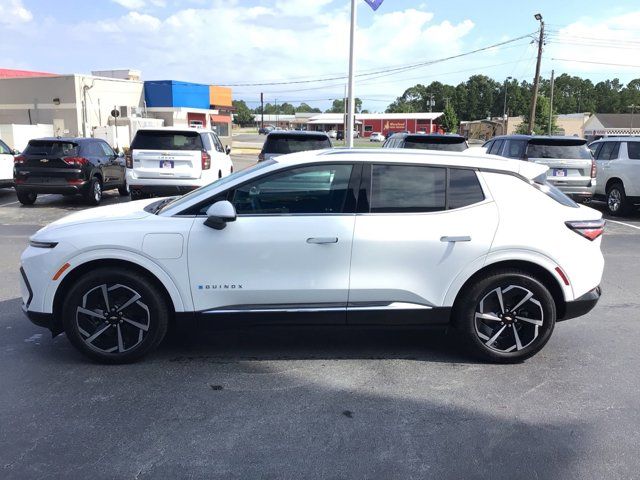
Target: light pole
[[504, 108]]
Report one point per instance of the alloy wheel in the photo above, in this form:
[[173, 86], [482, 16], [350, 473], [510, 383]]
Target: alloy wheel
[[614, 200], [112, 319], [508, 319], [97, 191]]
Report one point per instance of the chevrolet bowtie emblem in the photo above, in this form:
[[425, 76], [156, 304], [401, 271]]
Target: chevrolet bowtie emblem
[[44, 160]]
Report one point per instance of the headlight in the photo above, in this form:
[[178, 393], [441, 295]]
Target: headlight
[[37, 244]]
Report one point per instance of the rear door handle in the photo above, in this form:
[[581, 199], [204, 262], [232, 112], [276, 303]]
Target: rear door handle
[[462, 238], [321, 240]]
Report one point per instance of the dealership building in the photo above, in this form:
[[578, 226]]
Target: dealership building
[[36, 104], [367, 123]]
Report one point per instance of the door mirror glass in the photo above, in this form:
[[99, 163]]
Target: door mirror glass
[[219, 214], [227, 149]]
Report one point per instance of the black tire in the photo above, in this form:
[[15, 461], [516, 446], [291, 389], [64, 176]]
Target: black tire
[[150, 311], [26, 198], [123, 189], [522, 337], [93, 194], [617, 202]]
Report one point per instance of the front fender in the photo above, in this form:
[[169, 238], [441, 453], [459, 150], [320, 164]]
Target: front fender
[[181, 302]]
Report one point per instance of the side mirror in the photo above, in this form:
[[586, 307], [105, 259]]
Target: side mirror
[[120, 154], [15, 151], [219, 214], [227, 150]]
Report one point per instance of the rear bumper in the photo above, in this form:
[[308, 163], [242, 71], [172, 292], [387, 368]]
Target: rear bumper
[[163, 190], [166, 186], [582, 305], [51, 188], [576, 192]]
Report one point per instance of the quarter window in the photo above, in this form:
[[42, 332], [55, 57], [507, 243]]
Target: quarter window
[[608, 151], [496, 147], [403, 188], [464, 188], [316, 189], [634, 150]]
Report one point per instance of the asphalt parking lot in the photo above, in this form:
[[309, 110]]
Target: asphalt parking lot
[[321, 403]]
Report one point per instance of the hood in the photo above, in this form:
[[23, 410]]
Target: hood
[[120, 211]]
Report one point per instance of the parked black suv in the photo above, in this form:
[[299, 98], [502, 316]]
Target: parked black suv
[[423, 141], [69, 166], [281, 143]]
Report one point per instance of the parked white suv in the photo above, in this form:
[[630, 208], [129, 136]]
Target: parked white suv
[[6, 165], [336, 236], [618, 180], [166, 161]]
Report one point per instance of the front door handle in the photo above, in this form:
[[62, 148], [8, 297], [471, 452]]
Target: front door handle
[[321, 240], [462, 238]]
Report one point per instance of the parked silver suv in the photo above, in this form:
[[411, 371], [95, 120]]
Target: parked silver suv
[[618, 160], [571, 166]]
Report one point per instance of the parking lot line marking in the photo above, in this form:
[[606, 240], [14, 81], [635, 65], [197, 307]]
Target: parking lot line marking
[[625, 224]]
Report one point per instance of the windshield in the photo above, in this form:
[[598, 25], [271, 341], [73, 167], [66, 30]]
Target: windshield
[[161, 140], [214, 185], [283, 144], [554, 150], [50, 148]]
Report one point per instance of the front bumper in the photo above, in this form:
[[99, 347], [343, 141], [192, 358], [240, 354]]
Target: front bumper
[[582, 305]]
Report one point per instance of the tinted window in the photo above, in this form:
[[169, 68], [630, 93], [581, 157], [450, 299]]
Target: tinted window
[[91, 149], [161, 140], [608, 151], [595, 148], [495, 148], [217, 143], [515, 148], [634, 150], [283, 143], [206, 140], [4, 149], [554, 150], [488, 145], [403, 188], [315, 189], [51, 148], [106, 149], [464, 188], [431, 145]]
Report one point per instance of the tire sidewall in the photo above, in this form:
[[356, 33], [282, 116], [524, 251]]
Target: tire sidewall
[[465, 314], [623, 199], [158, 310]]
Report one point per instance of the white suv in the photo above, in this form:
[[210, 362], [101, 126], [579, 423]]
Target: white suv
[[336, 236], [618, 180], [165, 161]]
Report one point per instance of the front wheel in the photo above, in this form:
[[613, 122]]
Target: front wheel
[[506, 317], [26, 198], [115, 315]]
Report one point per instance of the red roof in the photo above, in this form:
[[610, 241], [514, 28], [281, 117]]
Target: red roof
[[8, 73]]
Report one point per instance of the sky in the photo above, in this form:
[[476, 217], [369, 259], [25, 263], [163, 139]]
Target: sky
[[233, 42]]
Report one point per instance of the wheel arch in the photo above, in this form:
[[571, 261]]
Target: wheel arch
[[167, 288], [611, 181], [534, 269]]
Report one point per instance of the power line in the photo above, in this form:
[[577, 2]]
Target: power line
[[381, 71], [595, 63]]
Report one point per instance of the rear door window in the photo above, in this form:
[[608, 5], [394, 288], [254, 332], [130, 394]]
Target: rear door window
[[608, 151], [166, 140], [515, 148], [47, 148], [106, 149], [633, 148], [91, 149], [407, 188]]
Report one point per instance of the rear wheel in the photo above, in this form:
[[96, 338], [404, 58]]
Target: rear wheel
[[123, 189], [26, 198], [93, 194], [617, 203], [115, 315], [506, 317]]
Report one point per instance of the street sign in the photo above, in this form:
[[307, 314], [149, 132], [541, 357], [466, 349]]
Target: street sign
[[115, 113]]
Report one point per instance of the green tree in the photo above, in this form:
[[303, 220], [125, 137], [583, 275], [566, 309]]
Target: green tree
[[338, 106], [243, 115], [450, 122], [304, 108], [541, 126]]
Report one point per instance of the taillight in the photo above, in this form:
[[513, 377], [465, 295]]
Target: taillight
[[594, 169], [75, 161], [128, 160], [19, 159], [589, 229], [261, 156], [206, 160]]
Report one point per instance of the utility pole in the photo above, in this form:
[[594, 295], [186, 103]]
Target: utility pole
[[536, 80], [261, 110], [633, 108], [504, 107], [553, 79], [431, 102], [351, 110]]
